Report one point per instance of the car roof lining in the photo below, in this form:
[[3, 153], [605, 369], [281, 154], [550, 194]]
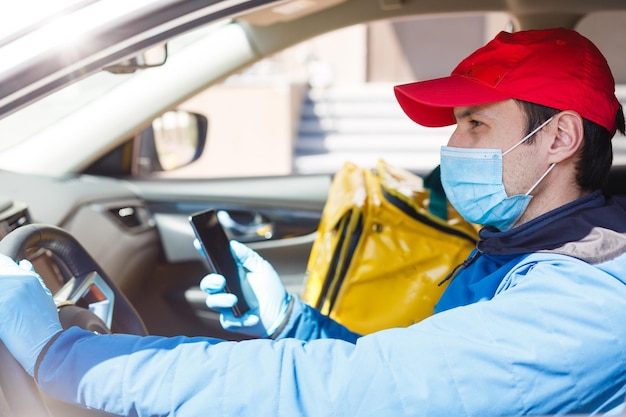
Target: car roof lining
[[270, 39], [525, 14]]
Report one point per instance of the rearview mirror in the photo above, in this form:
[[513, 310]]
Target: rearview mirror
[[153, 57]]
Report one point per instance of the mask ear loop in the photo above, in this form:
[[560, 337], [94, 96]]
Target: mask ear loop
[[525, 138], [541, 178]]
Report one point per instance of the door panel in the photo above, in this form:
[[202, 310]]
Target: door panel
[[172, 303]]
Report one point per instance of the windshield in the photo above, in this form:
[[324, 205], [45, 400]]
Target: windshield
[[27, 122], [26, 15], [36, 117]]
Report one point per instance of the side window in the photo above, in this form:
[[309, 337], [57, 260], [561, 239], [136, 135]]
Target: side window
[[318, 104]]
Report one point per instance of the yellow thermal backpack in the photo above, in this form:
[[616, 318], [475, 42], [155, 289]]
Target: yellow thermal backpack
[[386, 241]]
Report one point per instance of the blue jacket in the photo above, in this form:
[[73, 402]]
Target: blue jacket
[[535, 323]]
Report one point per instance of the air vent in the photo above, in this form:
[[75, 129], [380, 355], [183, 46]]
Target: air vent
[[12, 215], [135, 218]]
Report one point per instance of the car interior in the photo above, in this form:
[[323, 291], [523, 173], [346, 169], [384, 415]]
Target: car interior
[[87, 198]]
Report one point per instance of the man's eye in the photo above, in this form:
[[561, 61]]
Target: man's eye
[[475, 123]]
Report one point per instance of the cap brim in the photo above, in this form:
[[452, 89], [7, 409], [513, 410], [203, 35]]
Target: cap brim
[[430, 103]]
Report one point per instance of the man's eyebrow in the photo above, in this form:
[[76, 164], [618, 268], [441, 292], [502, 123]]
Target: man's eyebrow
[[467, 113]]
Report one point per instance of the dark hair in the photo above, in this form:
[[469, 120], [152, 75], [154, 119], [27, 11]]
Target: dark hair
[[596, 153]]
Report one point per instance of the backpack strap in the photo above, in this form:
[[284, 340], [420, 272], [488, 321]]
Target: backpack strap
[[438, 203]]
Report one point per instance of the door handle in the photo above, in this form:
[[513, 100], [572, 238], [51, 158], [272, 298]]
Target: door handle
[[255, 229]]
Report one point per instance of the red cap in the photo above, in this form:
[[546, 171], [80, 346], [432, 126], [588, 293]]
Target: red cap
[[558, 68]]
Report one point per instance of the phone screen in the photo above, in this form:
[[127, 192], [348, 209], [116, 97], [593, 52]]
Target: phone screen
[[218, 255]]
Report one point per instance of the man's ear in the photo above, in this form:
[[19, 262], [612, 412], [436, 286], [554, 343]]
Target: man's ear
[[568, 137]]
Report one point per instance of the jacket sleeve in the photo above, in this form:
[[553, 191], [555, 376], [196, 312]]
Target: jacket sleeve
[[307, 323], [552, 340]]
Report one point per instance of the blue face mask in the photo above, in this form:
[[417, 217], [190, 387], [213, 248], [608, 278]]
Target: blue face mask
[[472, 180]]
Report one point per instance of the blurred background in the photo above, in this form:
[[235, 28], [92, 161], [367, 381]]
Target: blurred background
[[323, 102]]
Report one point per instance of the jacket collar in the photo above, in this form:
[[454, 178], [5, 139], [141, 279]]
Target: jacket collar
[[591, 228]]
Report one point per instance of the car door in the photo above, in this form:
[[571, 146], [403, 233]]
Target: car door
[[276, 216]]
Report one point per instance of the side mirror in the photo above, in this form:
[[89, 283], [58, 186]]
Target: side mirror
[[173, 140]]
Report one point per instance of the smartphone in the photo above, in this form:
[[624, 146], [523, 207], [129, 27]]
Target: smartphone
[[218, 255]]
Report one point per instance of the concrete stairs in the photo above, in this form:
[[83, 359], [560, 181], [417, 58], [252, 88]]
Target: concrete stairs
[[362, 124]]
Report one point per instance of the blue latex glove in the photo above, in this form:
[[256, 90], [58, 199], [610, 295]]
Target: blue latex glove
[[266, 295], [29, 317]]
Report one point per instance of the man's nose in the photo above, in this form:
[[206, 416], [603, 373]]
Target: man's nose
[[456, 139]]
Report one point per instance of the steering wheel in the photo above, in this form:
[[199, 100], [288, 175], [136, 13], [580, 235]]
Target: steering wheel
[[88, 299]]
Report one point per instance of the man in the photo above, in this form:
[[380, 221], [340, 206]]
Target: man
[[533, 323]]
